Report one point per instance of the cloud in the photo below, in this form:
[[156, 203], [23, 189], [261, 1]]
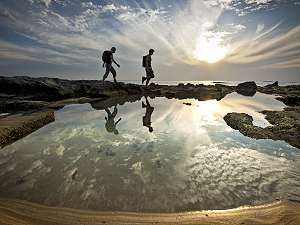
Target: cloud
[[177, 34], [7, 14], [259, 28], [269, 50], [10, 51]]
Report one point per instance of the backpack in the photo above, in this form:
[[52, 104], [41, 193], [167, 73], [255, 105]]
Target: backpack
[[144, 61], [106, 57]]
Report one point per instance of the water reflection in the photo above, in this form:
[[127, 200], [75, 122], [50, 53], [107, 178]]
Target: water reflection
[[192, 160], [147, 117], [110, 124]]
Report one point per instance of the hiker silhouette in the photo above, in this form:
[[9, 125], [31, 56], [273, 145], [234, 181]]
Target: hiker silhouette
[[108, 59], [110, 124], [147, 64], [148, 114]]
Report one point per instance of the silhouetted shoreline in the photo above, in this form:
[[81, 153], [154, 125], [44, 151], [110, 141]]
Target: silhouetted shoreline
[[27, 95]]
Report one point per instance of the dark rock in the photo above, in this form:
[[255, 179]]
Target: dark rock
[[170, 94], [275, 84], [290, 100], [187, 103], [15, 127], [247, 88], [21, 105], [286, 125]]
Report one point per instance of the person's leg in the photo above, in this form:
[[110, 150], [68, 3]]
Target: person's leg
[[108, 112], [148, 76], [107, 70], [114, 73], [115, 112], [144, 78], [148, 80]]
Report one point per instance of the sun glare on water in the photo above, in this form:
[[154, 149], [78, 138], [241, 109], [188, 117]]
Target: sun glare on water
[[210, 50]]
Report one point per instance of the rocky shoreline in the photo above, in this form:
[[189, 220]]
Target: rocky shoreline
[[26, 98]]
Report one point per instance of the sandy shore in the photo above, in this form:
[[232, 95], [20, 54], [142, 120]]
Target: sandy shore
[[19, 212]]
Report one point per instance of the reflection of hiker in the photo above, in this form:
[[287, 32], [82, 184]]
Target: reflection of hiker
[[148, 67], [110, 121], [108, 59], [147, 117]]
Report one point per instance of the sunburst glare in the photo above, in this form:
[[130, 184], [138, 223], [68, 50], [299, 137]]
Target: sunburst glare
[[210, 49]]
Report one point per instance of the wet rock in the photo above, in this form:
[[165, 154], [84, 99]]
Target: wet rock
[[246, 88], [21, 105], [17, 126], [286, 125], [170, 94], [244, 123], [289, 95], [53, 89], [290, 100], [275, 84]]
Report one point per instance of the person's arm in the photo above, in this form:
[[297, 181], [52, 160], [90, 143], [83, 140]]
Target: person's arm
[[118, 65], [118, 121]]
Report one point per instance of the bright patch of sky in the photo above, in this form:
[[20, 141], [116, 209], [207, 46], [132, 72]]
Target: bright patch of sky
[[194, 40]]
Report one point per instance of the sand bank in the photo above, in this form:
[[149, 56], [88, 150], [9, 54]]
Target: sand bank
[[19, 212]]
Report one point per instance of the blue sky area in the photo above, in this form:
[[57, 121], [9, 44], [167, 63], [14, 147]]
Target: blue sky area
[[193, 39]]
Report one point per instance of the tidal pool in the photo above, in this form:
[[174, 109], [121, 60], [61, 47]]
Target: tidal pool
[[157, 156]]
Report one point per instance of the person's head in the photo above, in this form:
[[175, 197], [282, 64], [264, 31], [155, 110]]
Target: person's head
[[151, 51], [113, 49], [150, 129], [116, 132]]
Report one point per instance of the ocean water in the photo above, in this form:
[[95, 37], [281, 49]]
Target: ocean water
[[213, 82], [164, 155]]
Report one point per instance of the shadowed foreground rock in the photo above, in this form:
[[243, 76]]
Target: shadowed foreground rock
[[286, 125], [17, 126]]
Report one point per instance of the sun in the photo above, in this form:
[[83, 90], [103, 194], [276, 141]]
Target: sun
[[210, 50]]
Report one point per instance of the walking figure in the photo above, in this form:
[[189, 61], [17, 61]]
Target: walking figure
[[110, 124], [148, 114], [148, 67], [108, 59]]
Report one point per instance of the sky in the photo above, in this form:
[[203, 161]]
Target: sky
[[193, 39]]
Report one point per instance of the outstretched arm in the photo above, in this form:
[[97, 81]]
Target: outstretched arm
[[118, 65], [118, 121], [147, 102]]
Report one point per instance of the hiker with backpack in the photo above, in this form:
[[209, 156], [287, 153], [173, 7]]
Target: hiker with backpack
[[108, 59], [148, 67]]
